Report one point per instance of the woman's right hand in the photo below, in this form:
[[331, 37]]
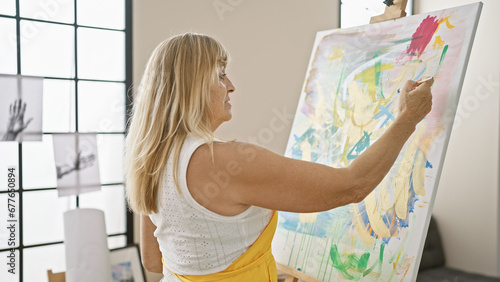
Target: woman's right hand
[[415, 100]]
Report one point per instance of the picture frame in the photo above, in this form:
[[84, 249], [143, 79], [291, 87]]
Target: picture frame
[[126, 264]]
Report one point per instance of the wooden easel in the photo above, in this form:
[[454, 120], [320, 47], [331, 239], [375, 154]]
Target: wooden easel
[[395, 11], [56, 277], [293, 275]]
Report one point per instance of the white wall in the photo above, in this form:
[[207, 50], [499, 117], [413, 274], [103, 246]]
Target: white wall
[[467, 203], [270, 43]]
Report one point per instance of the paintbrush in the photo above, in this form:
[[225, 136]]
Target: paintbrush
[[422, 81], [418, 83]]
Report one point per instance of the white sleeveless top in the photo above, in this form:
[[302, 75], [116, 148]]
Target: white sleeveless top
[[194, 240]]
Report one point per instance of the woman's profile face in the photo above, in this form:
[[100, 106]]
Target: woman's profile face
[[219, 99]]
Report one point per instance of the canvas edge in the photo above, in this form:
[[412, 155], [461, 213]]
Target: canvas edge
[[479, 6]]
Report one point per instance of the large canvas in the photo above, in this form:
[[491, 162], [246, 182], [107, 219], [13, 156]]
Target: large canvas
[[349, 99]]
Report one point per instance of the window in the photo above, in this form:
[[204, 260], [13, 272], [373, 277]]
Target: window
[[359, 12], [82, 48]]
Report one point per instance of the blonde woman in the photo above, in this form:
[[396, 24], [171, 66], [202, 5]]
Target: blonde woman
[[208, 208]]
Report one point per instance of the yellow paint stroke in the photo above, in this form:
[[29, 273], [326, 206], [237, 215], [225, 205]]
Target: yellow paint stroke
[[394, 264], [308, 217], [438, 43], [354, 133], [384, 197], [305, 147], [428, 142], [368, 77], [398, 85], [376, 221], [419, 173], [337, 121], [361, 118], [335, 54], [361, 115], [429, 59], [445, 20], [402, 179], [360, 226], [343, 159], [320, 112]]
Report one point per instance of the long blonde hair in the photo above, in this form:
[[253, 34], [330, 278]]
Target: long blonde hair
[[172, 101]]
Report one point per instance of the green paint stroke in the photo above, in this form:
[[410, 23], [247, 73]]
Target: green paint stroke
[[445, 49], [378, 83], [341, 79], [354, 267]]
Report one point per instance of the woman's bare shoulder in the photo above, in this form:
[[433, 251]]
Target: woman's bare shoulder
[[249, 174], [213, 180], [228, 151]]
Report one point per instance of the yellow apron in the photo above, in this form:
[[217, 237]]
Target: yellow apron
[[256, 264]]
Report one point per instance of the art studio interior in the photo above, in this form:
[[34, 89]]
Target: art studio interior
[[94, 104]]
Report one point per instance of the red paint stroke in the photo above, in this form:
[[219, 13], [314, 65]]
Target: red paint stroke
[[421, 38]]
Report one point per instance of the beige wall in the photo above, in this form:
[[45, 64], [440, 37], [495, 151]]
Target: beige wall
[[271, 42], [466, 207]]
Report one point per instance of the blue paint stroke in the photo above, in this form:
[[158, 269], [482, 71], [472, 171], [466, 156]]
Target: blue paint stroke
[[420, 74], [386, 112], [321, 228], [362, 144]]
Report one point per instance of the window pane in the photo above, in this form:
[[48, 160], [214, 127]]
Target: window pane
[[54, 11], [359, 12], [117, 242], [101, 107], [43, 216], [110, 148], [111, 200], [9, 235], [58, 105], [8, 46], [4, 267], [10, 157], [47, 49], [39, 168], [101, 54], [8, 7], [109, 13], [37, 261]]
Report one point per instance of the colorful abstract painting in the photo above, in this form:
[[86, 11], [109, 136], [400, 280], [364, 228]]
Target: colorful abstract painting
[[349, 99]]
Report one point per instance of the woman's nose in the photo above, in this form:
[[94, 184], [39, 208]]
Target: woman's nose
[[230, 86]]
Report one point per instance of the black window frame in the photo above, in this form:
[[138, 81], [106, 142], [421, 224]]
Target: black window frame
[[129, 229]]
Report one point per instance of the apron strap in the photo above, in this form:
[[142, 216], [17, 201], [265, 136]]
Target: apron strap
[[258, 254]]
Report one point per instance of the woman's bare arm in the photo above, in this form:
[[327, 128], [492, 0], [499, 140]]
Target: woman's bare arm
[[150, 250], [244, 174]]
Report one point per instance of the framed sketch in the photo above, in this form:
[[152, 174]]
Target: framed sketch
[[77, 165], [126, 265], [21, 108]]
